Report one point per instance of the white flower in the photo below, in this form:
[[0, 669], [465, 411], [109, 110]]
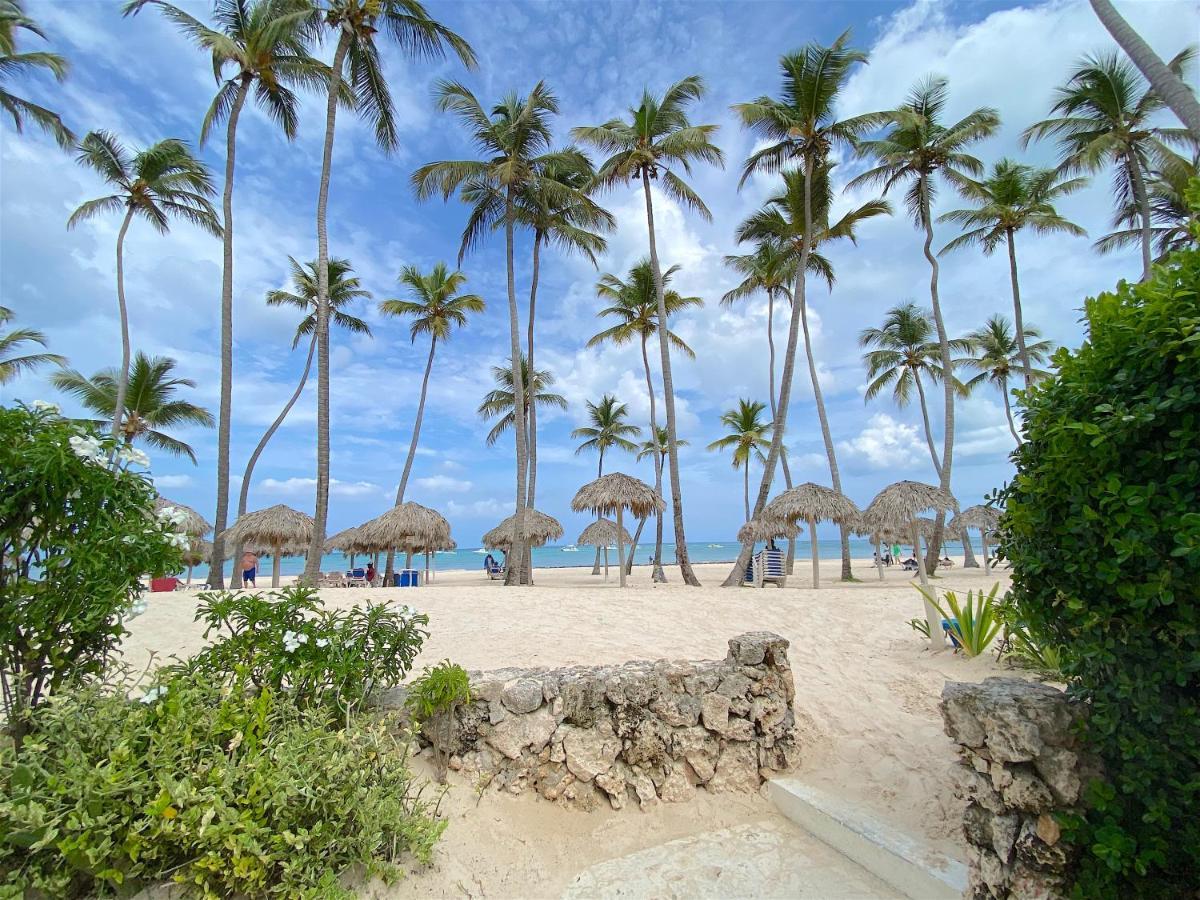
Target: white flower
[[133, 456], [46, 406], [302, 638], [321, 642], [290, 641], [136, 608], [87, 448], [153, 694], [180, 540]]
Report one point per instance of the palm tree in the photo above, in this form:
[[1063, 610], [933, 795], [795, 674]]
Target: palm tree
[[998, 355], [357, 71], [499, 401], [656, 140], [159, 183], [12, 22], [746, 438], [344, 289], [11, 365], [515, 139], [634, 304], [1013, 197], [437, 308], [608, 430], [263, 44], [914, 150], [1102, 117], [150, 404], [1171, 214], [656, 448]]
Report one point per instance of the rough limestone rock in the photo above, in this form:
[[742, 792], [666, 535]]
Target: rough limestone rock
[[590, 751], [516, 733], [737, 770], [522, 696], [714, 712]]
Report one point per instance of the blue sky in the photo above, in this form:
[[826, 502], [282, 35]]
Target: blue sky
[[143, 81]]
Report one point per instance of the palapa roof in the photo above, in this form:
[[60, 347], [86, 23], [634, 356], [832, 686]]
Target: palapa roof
[[198, 552], [608, 493], [898, 504], [603, 533], [539, 528], [268, 527], [409, 525], [195, 524], [348, 540], [764, 529], [950, 529], [812, 503], [983, 517]]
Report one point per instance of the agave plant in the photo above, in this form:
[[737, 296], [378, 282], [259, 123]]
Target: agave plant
[[975, 622]]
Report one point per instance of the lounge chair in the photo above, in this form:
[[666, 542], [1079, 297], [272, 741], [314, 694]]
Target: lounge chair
[[768, 566], [495, 570], [909, 565], [357, 578], [331, 580], [945, 562]]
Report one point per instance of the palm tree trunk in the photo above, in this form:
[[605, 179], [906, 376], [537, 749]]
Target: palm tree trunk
[[969, 560], [1008, 411], [657, 574], [123, 375], [216, 567], [746, 488], [681, 554], [1143, 202], [312, 563], [516, 574], [1018, 317], [879, 559], [620, 548], [244, 493], [983, 540], [533, 286], [790, 563], [933, 619], [1167, 85], [596, 564], [275, 553], [937, 465], [412, 452], [637, 536]]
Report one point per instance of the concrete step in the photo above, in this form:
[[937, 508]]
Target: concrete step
[[907, 864]]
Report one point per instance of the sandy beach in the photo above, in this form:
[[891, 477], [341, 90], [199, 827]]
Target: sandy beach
[[867, 690]]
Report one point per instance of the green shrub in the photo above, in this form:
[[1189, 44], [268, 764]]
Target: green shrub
[[920, 626], [230, 792], [974, 623], [1102, 527], [432, 699]]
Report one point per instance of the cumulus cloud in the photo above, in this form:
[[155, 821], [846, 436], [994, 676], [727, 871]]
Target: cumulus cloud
[[172, 481], [886, 444], [491, 507], [444, 484], [304, 487]]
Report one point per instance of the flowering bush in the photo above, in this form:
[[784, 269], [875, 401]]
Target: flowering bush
[[77, 534]]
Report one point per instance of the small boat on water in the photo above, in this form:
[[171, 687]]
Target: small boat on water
[[570, 548], [716, 546]]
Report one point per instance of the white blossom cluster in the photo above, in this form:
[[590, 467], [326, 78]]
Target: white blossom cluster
[[154, 693], [175, 518], [87, 448], [293, 639], [132, 456]]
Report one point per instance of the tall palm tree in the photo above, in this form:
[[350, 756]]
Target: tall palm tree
[[916, 148], [654, 447], [800, 127], [436, 309], [1102, 117], [1172, 216], [263, 44], [515, 141], [498, 402], [10, 343], [608, 430], [344, 289], [655, 142], [150, 404], [12, 22], [162, 182], [996, 354], [746, 438], [634, 304], [356, 75], [1013, 197]]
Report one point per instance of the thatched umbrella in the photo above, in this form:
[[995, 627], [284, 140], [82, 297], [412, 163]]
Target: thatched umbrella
[[763, 529], [539, 529], [812, 503], [614, 493], [408, 526], [278, 527], [603, 533], [985, 518], [195, 524], [197, 552], [878, 534], [902, 503]]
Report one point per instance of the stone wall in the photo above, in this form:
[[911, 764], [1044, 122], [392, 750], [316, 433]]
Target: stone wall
[[1021, 766], [638, 732]]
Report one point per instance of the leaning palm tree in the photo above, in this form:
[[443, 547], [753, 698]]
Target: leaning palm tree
[[634, 304], [654, 447], [12, 365], [1102, 116], [13, 21], [356, 75], [151, 403], [1172, 216], [263, 45], [655, 142], [608, 430], [1012, 198], [997, 355], [916, 148], [162, 182], [746, 438], [498, 403], [436, 309]]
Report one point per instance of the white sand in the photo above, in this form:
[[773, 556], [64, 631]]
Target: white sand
[[866, 699]]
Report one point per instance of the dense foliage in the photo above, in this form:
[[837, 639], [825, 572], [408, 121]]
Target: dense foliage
[[1103, 530], [432, 700]]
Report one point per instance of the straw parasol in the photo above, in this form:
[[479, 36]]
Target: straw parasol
[[278, 527], [985, 518], [197, 552], [762, 529], [406, 525], [878, 534], [539, 529], [195, 524], [812, 503], [603, 533], [614, 493]]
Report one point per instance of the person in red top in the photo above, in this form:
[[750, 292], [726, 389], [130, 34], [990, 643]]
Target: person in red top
[[371, 573]]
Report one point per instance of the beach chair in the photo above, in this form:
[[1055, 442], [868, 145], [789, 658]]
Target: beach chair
[[909, 565], [950, 626], [495, 570], [357, 578], [945, 562], [331, 580], [768, 567]]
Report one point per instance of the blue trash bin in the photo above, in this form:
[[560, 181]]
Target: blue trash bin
[[408, 578]]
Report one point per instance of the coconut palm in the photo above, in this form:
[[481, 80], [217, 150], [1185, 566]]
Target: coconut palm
[[162, 182], [1101, 118], [608, 430], [151, 404], [12, 365], [499, 401], [13, 21], [904, 349], [915, 149], [656, 142], [997, 356], [1172, 216], [436, 309], [748, 435], [356, 75], [634, 304], [654, 447], [1012, 198], [262, 44]]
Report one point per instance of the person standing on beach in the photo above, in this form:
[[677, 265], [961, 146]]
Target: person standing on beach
[[249, 568]]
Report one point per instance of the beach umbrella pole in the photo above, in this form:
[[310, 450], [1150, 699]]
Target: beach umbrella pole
[[275, 566], [620, 548], [934, 620], [816, 561], [983, 537], [879, 558]]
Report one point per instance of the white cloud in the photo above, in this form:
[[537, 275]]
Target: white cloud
[[172, 481], [307, 486], [886, 443], [443, 484], [480, 508]]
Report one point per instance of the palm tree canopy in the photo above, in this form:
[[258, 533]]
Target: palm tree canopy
[[748, 433], [12, 364], [13, 22], [556, 205], [657, 444], [904, 347], [151, 404], [1172, 216], [771, 268], [608, 427], [499, 402], [344, 288], [996, 355], [634, 304], [436, 308]]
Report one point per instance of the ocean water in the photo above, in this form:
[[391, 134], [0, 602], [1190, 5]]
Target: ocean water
[[557, 556]]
